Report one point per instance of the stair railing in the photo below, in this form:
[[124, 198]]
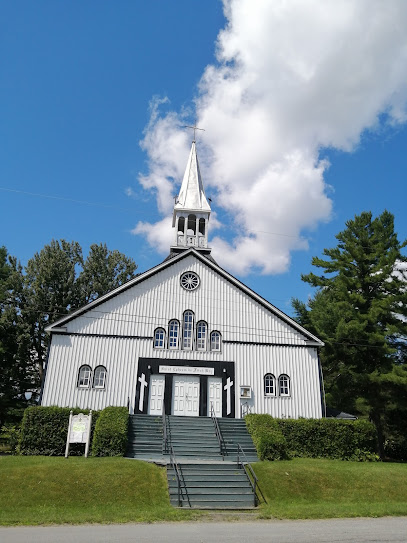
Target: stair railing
[[180, 478], [221, 441], [165, 432], [248, 469]]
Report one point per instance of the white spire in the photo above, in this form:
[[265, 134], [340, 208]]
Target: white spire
[[191, 209], [192, 195]]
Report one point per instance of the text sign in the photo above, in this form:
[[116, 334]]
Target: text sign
[[186, 370], [78, 431]]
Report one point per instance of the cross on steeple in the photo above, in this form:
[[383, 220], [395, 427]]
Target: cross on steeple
[[194, 128]]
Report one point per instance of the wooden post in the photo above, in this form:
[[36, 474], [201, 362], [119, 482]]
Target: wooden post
[[67, 437], [88, 436]]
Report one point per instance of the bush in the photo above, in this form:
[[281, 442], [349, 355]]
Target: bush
[[267, 437], [44, 431], [110, 438], [318, 438]]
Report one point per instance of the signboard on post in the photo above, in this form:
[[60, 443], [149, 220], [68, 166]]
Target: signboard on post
[[79, 431]]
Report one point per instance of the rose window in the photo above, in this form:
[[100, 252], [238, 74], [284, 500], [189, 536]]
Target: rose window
[[189, 281]]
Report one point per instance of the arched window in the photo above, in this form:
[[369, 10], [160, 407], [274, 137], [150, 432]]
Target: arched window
[[215, 341], [84, 375], [159, 338], [284, 385], [181, 225], [191, 225], [201, 333], [269, 385], [173, 333], [202, 226], [187, 332], [99, 377]]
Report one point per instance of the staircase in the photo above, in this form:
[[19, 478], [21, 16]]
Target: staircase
[[208, 480], [145, 437], [234, 431], [211, 486], [193, 438]]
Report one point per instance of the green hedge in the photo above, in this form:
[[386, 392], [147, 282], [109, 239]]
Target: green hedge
[[44, 431], [110, 437], [312, 438]]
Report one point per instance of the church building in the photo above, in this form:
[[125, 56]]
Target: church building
[[185, 336]]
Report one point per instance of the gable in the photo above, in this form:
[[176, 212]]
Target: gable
[[154, 298]]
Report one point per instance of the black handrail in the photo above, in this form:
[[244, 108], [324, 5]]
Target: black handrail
[[179, 476], [165, 433], [252, 476], [221, 441]]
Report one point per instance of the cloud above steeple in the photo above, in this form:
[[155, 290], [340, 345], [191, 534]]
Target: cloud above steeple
[[290, 79]]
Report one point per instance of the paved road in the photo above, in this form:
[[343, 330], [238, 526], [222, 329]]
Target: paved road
[[380, 530]]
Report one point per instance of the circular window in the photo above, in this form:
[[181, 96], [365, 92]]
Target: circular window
[[189, 281]]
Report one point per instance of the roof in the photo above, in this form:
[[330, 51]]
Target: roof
[[192, 195], [313, 340]]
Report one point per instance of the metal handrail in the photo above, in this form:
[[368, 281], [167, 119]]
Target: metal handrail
[[221, 441], [180, 477], [165, 433], [252, 476]]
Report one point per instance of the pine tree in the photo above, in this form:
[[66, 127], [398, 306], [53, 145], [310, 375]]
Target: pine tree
[[359, 312]]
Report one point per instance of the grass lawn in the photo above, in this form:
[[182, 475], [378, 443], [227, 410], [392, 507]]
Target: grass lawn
[[47, 490], [314, 488]]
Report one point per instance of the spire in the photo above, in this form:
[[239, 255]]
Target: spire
[[192, 195], [191, 209]]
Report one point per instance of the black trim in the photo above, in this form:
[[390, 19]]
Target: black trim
[[80, 334], [150, 366], [238, 342], [146, 275], [44, 372]]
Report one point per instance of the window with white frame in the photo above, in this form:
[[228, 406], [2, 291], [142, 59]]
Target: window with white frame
[[201, 333], [188, 329], [215, 341], [84, 376], [269, 385], [99, 377], [284, 385], [173, 332], [159, 338]]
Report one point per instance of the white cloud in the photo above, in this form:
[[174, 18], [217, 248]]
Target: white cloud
[[290, 78]]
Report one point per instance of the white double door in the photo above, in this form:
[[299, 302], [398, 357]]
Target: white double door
[[156, 396], [185, 395]]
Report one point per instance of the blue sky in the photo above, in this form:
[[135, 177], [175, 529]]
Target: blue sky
[[78, 81]]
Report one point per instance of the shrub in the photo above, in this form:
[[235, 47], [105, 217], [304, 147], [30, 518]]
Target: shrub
[[267, 437], [318, 438], [44, 431], [110, 438]]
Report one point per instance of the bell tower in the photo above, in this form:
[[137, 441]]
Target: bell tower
[[191, 210]]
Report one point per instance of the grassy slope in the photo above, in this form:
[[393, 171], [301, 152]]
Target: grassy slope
[[44, 490], [309, 488]]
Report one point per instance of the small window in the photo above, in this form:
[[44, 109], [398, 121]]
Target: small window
[[284, 385], [269, 385], [173, 332], [201, 336], [187, 333], [159, 338], [215, 341], [99, 377], [84, 376]]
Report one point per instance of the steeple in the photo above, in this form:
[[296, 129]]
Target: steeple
[[191, 209]]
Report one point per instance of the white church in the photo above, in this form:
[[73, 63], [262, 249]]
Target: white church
[[185, 336]]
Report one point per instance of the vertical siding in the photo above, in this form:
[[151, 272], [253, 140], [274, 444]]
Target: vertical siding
[[154, 302]]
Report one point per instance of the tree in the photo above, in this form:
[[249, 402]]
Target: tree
[[359, 311], [17, 376], [57, 281]]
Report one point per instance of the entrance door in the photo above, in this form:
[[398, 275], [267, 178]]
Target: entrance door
[[156, 398], [215, 395], [185, 396]]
